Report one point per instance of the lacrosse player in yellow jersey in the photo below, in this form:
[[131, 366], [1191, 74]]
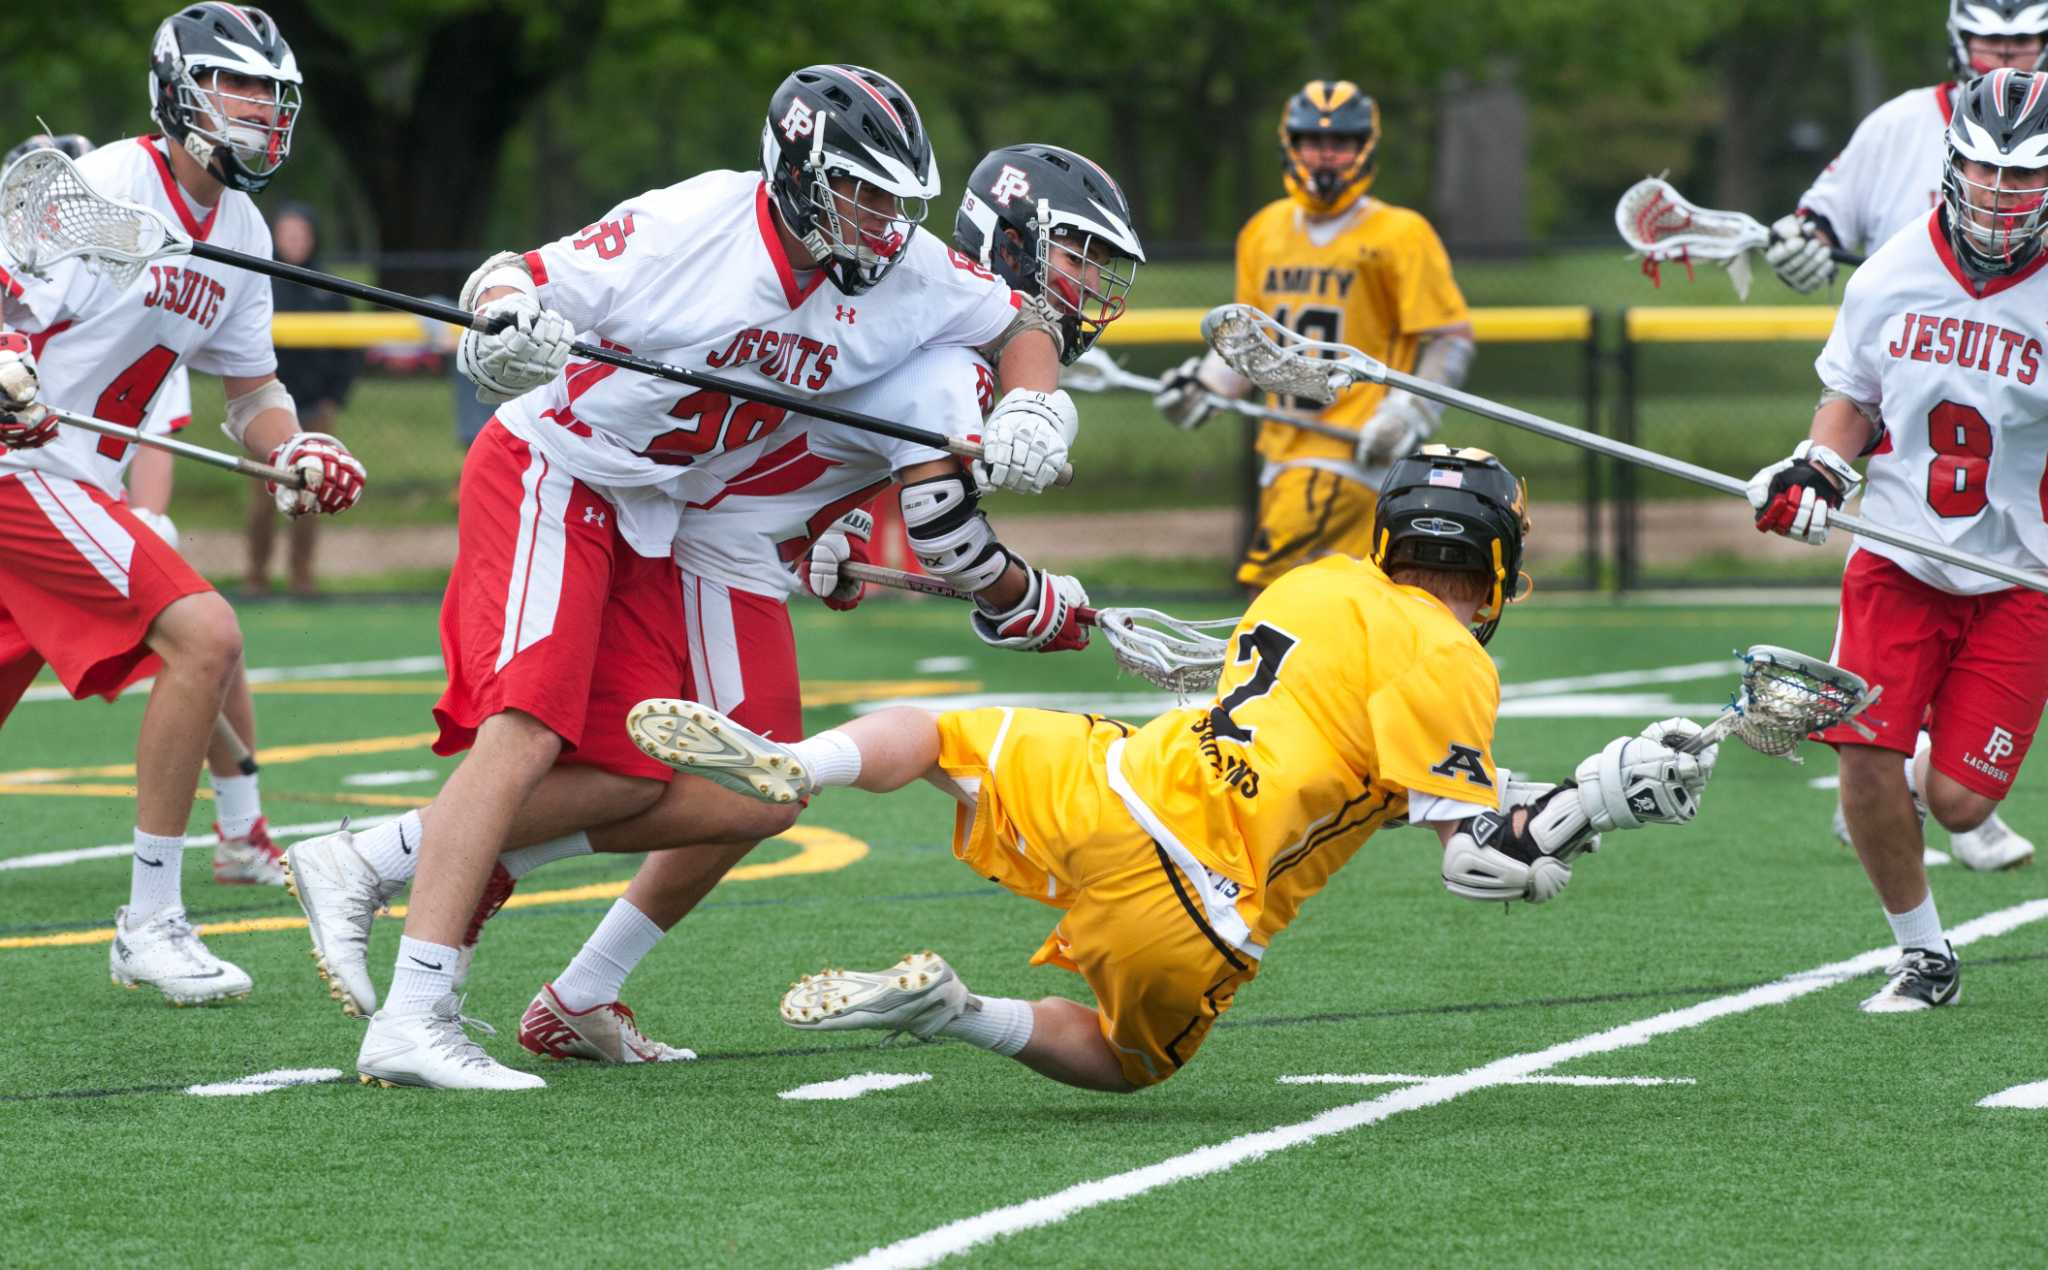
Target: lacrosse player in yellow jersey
[[1356, 695], [1334, 264]]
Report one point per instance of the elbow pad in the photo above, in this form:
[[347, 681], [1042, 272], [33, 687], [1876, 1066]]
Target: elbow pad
[[242, 410], [950, 536], [506, 269], [1033, 315]]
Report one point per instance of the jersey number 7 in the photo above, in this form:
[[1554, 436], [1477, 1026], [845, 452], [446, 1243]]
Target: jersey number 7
[[1267, 646]]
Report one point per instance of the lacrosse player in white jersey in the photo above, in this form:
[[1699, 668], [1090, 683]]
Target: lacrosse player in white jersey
[[1934, 371], [811, 277], [1890, 176], [89, 588]]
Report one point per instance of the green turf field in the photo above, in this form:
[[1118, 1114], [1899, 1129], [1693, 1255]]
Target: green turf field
[[1795, 1130]]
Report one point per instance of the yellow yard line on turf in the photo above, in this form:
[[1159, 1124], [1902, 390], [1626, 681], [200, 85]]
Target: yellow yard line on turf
[[275, 795], [818, 851], [829, 692], [269, 755], [346, 687]]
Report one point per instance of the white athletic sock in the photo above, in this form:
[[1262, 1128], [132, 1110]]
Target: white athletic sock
[[599, 971], [1920, 928], [425, 974], [153, 876], [236, 804], [526, 859], [830, 757], [392, 848], [1002, 1024]]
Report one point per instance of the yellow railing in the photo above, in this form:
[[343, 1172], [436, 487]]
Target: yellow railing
[[1756, 325]]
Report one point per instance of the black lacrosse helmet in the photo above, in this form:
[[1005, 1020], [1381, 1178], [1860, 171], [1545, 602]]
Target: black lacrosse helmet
[[72, 144], [1333, 107], [1460, 511], [826, 121], [190, 46], [2001, 119], [1038, 215], [2020, 18]]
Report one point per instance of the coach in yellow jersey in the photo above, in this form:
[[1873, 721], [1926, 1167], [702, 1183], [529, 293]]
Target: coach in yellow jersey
[[1356, 694], [1334, 264]]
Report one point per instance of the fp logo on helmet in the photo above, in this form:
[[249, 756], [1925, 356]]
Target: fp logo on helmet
[[796, 122], [1010, 183]]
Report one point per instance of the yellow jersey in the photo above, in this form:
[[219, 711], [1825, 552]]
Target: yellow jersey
[[1342, 691], [1379, 281]]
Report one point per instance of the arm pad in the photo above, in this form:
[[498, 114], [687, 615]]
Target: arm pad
[[506, 269], [1032, 315], [950, 536], [1486, 859], [242, 410]]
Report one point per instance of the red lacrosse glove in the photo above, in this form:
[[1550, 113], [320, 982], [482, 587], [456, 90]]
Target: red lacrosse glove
[[334, 477], [1046, 620], [24, 425]]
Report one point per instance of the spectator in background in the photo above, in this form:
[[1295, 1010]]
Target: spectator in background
[[319, 379]]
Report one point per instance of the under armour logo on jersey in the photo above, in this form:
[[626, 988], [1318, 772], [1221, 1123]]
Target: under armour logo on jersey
[[798, 120], [1010, 183], [1466, 761], [2000, 746], [592, 516], [843, 312]]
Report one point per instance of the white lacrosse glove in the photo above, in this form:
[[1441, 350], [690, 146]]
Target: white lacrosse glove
[[1794, 496], [159, 524], [1024, 443], [1675, 732], [1182, 397], [334, 477], [1486, 860], [846, 540], [1046, 620], [1633, 782], [24, 424], [1800, 257], [1400, 424], [530, 350]]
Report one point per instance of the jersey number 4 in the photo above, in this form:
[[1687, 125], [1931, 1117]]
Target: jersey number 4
[[1266, 647], [126, 400]]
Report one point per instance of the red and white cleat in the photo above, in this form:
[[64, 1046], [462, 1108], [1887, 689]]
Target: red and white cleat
[[496, 892], [250, 860], [604, 1033]]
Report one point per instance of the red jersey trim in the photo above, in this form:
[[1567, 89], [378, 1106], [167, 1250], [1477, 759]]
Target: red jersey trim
[[771, 238], [1945, 99], [1989, 287], [199, 229], [42, 337], [8, 283], [537, 267], [180, 423]]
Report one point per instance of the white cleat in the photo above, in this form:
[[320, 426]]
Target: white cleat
[[696, 739], [340, 894], [165, 953], [1990, 847], [1921, 979], [919, 995], [432, 1050], [605, 1033], [250, 860]]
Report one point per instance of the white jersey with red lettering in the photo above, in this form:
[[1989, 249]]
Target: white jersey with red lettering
[[776, 496], [695, 275], [106, 351], [1955, 365], [1889, 175]]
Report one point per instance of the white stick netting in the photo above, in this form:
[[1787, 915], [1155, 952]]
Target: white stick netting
[[1180, 656], [1786, 696], [1271, 356], [49, 213], [1658, 224]]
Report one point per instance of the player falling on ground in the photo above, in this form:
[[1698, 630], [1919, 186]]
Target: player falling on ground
[[1889, 177], [1358, 694], [89, 588], [812, 276], [1933, 371], [243, 852], [1334, 264], [783, 518]]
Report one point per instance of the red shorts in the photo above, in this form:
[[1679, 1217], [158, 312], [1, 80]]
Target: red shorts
[[82, 582], [1974, 667], [550, 612], [743, 658]]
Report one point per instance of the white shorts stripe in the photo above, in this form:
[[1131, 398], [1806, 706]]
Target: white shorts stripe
[[714, 644], [533, 592], [98, 537], [1224, 918]]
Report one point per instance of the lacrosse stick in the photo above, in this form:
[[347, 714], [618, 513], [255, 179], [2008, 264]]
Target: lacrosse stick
[[1784, 697], [1658, 224], [1179, 656], [183, 449], [49, 213], [224, 734], [1278, 360], [1097, 371]]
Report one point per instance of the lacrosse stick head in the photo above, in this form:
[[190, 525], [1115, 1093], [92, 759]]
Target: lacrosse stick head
[[48, 213], [1093, 371], [1786, 695], [1280, 361], [1185, 658], [1659, 224]]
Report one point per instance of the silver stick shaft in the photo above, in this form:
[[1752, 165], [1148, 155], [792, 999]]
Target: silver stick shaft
[[184, 450]]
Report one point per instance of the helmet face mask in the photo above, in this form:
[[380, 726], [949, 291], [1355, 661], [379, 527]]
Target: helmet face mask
[[225, 87], [1455, 511], [1994, 189], [1055, 226], [1332, 109], [2011, 21]]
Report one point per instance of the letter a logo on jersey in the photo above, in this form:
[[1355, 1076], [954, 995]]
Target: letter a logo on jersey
[[797, 121], [1466, 761], [1010, 183]]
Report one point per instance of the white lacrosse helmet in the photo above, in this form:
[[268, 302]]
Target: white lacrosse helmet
[[2001, 121]]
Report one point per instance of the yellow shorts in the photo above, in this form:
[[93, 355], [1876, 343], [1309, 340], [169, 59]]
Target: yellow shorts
[[1047, 825], [1306, 514]]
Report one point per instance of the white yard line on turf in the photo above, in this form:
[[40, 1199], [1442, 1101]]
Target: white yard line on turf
[[265, 1082], [1396, 1078], [970, 1232], [853, 1086], [50, 859], [279, 674], [2032, 1097]]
